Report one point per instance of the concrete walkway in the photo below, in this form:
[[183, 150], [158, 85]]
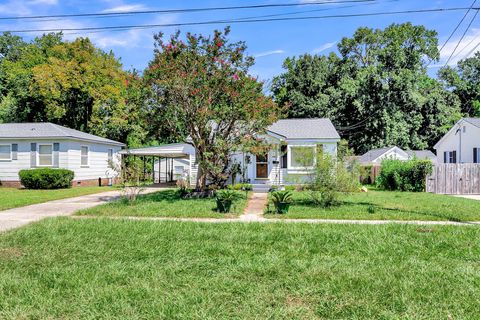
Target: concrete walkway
[[468, 196], [255, 206], [17, 217]]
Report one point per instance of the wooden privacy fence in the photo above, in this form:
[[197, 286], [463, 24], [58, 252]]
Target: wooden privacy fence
[[454, 178]]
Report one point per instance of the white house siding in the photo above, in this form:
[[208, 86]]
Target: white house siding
[[97, 160], [395, 153], [470, 138], [9, 169]]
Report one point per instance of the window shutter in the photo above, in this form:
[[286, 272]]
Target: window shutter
[[475, 155], [445, 157], [56, 155], [14, 151], [454, 156], [33, 155]]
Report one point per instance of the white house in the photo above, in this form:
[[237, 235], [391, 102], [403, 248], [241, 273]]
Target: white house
[[47, 145], [285, 163], [375, 156], [461, 144]]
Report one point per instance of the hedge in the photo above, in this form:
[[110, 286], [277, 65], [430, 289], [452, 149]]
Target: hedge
[[46, 178], [404, 175]]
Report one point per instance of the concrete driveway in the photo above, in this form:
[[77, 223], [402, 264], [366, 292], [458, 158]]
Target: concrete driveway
[[17, 217], [468, 196]]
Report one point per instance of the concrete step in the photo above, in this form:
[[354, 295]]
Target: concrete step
[[261, 188]]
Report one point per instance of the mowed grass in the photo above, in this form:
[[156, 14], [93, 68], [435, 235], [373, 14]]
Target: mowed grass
[[67, 268], [13, 197], [386, 205], [166, 203]]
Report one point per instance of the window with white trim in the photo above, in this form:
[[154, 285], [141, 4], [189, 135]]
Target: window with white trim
[[84, 156], [301, 157], [45, 155], [450, 157], [5, 152]]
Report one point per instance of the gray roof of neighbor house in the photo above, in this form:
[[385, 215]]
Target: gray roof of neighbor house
[[46, 130], [422, 154], [373, 154], [320, 128], [474, 121]]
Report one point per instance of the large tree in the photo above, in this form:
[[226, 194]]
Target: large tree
[[464, 81], [201, 89], [69, 83], [376, 91]]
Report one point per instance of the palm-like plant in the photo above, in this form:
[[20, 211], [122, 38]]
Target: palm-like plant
[[284, 196]]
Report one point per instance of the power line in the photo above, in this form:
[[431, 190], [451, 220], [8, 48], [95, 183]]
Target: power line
[[258, 6], [463, 35], [234, 21], [458, 25]]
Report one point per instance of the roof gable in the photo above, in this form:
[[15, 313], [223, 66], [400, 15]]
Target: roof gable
[[473, 121]]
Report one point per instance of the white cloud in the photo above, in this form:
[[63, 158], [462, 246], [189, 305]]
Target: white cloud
[[126, 8], [467, 47], [324, 47], [44, 2], [268, 53]]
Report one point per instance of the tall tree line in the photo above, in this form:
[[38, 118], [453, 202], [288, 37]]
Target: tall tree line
[[376, 89]]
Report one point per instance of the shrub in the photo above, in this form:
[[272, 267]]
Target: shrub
[[282, 200], [331, 177], [241, 186], [46, 178], [404, 175], [290, 188]]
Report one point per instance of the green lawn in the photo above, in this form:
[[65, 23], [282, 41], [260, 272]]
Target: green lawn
[[387, 205], [12, 197], [103, 268], [165, 203]]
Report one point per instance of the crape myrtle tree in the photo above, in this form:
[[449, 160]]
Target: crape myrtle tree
[[376, 90], [200, 89]]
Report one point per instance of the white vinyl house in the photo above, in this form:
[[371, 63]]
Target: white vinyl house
[[376, 156], [47, 145], [461, 144], [283, 164]]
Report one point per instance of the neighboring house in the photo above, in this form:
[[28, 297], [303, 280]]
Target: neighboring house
[[461, 144], [47, 145], [285, 163], [375, 156]]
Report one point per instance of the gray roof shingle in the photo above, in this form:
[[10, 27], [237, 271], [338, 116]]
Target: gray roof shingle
[[42, 130], [422, 154], [320, 128], [474, 121], [373, 154]]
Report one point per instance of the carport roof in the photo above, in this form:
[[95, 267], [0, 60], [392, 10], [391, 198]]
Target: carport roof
[[174, 150]]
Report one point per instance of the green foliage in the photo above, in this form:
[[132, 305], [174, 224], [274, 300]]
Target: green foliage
[[290, 188], [404, 175], [377, 89], [331, 177], [241, 186], [365, 172], [46, 178], [71, 83], [200, 87], [228, 195], [283, 196], [464, 81]]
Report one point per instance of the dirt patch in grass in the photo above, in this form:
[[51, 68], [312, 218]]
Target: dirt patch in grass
[[10, 253]]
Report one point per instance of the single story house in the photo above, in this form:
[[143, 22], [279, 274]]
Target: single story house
[[461, 144], [285, 163], [47, 145], [375, 156]]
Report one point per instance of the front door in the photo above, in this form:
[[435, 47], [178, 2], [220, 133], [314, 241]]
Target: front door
[[262, 166]]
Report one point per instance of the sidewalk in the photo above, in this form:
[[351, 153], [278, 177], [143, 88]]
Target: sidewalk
[[17, 217]]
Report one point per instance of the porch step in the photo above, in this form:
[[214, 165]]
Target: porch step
[[260, 188]]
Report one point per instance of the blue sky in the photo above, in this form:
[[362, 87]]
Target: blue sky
[[269, 42]]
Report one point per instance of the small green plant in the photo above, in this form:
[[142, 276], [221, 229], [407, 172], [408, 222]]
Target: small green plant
[[241, 186], [371, 209], [225, 199], [46, 178], [282, 200], [290, 188], [183, 188]]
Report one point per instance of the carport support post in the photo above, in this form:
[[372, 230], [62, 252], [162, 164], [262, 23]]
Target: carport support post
[[171, 171], [153, 169], [144, 168]]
